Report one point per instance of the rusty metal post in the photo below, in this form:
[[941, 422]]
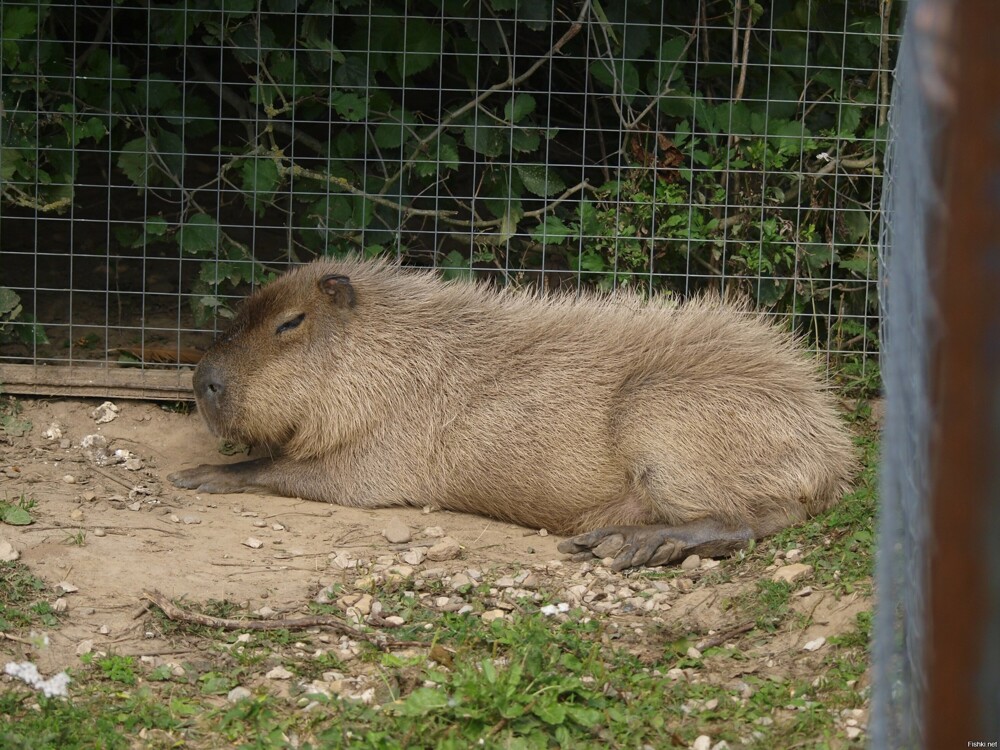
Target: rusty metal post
[[963, 670]]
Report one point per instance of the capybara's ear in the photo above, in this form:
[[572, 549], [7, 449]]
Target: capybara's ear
[[339, 288]]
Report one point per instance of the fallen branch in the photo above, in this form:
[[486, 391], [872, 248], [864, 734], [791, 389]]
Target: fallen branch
[[719, 638], [9, 637], [332, 622]]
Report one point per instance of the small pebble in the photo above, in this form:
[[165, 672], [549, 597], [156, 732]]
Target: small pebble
[[60, 605], [277, 527], [790, 573], [414, 556], [253, 543], [238, 694], [397, 532], [99, 532], [8, 553], [446, 549], [90, 496], [814, 645], [191, 520], [76, 514], [704, 742], [69, 479], [260, 523], [691, 562], [492, 614]]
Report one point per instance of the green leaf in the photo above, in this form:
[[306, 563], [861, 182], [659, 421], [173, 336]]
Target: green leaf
[[489, 671], [422, 47], [389, 135], [32, 334], [620, 76], [421, 702], [9, 302], [135, 161], [487, 140], [550, 711], [349, 106], [199, 236], [539, 180], [535, 14], [519, 107], [92, 127], [11, 161], [583, 715], [447, 152], [850, 118], [552, 230], [156, 226], [524, 141], [18, 23], [260, 180], [215, 684], [13, 515]]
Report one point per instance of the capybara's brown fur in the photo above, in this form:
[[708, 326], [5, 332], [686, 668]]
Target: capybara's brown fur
[[376, 386]]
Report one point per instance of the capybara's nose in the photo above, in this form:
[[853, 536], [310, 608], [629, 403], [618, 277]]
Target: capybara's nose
[[208, 383]]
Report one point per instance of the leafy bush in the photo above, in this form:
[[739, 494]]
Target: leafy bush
[[643, 142]]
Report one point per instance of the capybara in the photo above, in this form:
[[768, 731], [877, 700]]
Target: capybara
[[652, 430]]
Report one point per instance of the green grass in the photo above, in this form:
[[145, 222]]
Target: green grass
[[23, 603]]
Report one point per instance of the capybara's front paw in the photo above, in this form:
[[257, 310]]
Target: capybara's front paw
[[207, 478]]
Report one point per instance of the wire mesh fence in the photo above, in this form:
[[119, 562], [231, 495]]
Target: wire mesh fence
[[158, 160]]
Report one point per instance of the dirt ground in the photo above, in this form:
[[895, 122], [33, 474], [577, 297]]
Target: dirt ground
[[116, 530], [154, 536]]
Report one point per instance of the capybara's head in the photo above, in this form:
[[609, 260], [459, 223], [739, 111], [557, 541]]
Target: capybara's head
[[255, 384]]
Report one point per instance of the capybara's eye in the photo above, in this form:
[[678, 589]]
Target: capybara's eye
[[290, 324]]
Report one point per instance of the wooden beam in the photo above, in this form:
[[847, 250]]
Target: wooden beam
[[85, 381]]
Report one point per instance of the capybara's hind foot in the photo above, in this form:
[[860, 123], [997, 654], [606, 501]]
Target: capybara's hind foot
[[636, 546]]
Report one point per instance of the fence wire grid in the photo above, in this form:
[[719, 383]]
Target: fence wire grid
[[159, 160]]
